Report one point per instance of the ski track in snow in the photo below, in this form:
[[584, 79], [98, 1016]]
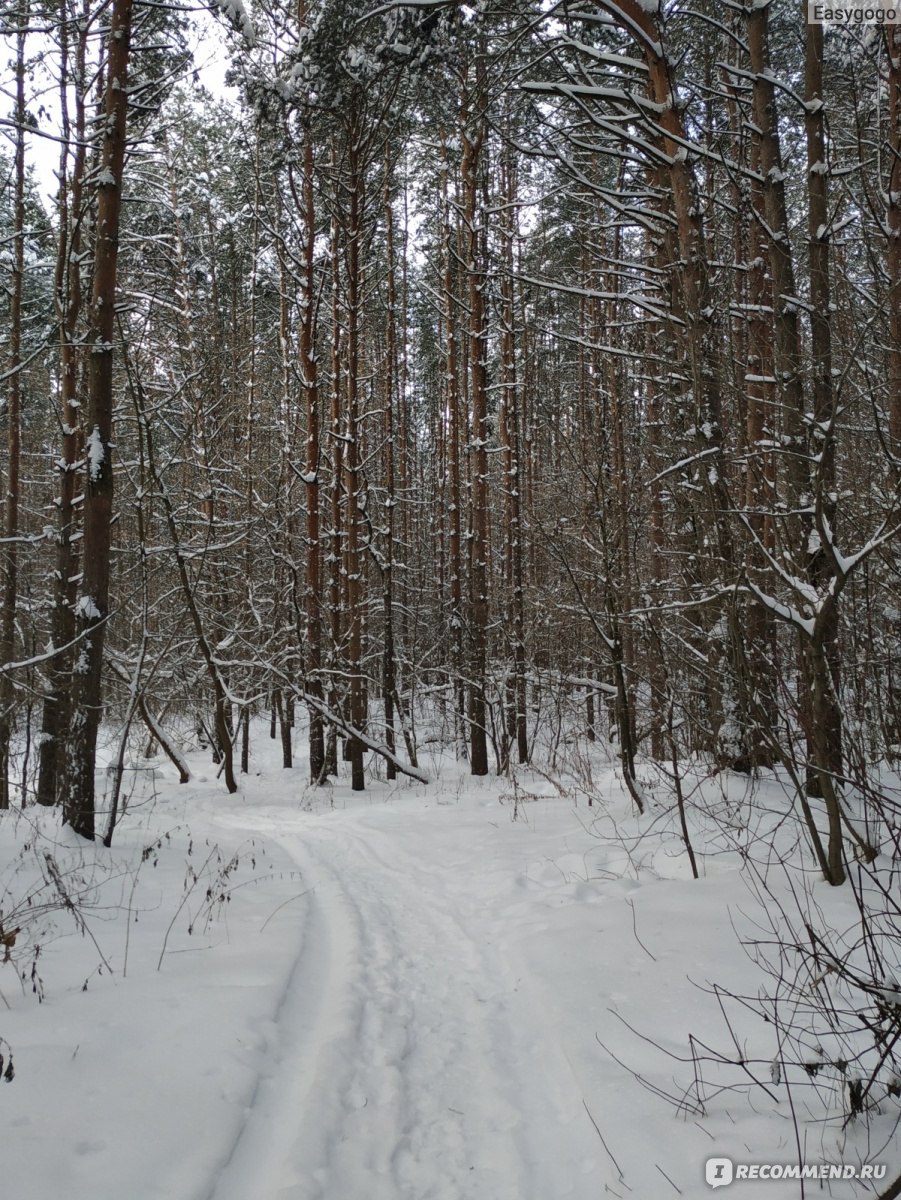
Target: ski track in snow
[[408, 1065]]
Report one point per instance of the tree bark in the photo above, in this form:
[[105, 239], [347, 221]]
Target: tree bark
[[309, 369], [473, 140], [452, 381], [820, 566], [352, 557], [14, 418], [336, 534], [509, 424], [92, 610], [389, 674], [68, 292]]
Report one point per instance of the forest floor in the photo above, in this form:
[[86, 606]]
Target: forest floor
[[470, 990]]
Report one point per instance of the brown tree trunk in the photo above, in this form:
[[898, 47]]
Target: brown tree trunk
[[756, 388], [336, 536], [473, 140], [785, 320], [352, 557], [823, 670], [513, 568], [619, 589], [699, 311], [453, 469], [820, 714], [14, 418], [891, 187], [389, 676], [67, 286], [92, 609], [309, 368], [656, 670], [284, 725]]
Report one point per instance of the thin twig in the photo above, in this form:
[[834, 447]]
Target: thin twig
[[619, 1171]]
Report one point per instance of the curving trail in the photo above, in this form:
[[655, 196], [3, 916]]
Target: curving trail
[[410, 1060]]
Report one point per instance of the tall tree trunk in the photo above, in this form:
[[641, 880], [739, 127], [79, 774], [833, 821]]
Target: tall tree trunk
[[13, 417], [513, 568], [455, 506], [785, 319], [309, 370], [699, 311], [352, 484], [92, 610], [336, 535], [619, 588], [756, 434], [657, 670], [473, 141], [818, 704], [68, 295], [389, 675], [824, 673], [891, 189]]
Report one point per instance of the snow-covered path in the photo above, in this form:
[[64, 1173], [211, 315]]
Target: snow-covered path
[[410, 1062], [407, 996]]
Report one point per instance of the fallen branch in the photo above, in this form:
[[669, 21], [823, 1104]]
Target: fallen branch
[[154, 728], [348, 730]]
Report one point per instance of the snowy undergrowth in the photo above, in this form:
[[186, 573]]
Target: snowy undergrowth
[[137, 995], [476, 988]]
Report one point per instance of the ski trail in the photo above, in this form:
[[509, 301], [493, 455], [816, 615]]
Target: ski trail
[[409, 1065]]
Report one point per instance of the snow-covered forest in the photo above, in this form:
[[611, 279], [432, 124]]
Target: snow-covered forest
[[450, 644]]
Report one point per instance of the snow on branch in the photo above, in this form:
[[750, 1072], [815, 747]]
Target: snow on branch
[[845, 564], [594, 93], [351, 731], [594, 294], [785, 611], [237, 16]]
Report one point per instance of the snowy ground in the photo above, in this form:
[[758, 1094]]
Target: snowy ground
[[405, 995]]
